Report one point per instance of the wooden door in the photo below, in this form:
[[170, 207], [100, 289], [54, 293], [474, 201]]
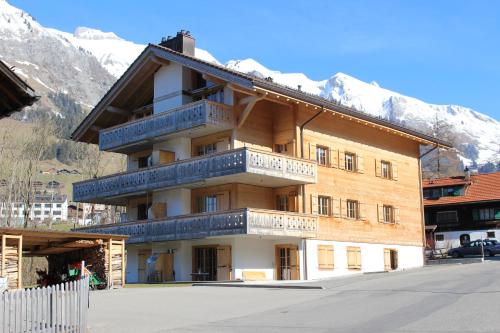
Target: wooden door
[[224, 263], [142, 268], [287, 262], [353, 257], [165, 265], [159, 210], [387, 260], [394, 259]]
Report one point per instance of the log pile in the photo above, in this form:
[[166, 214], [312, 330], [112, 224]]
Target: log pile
[[11, 265]]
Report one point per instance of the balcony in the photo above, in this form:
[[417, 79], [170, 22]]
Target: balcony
[[243, 165], [194, 119], [247, 221]]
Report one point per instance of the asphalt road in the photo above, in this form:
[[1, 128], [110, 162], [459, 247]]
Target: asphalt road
[[444, 298]]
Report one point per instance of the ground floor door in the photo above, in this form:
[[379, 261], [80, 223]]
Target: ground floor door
[[164, 267], [287, 262], [142, 267], [204, 263], [224, 263], [390, 259]]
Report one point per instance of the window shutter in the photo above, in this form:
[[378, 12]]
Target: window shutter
[[334, 158], [378, 167], [336, 207], [341, 160], [360, 164], [290, 148], [361, 211], [353, 257], [343, 209], [325, 256], [380, 210], [330, 206], [312, 151], [394, 171], [314, 204], [396, 215]]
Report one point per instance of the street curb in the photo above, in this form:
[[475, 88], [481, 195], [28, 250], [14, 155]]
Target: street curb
[[453, 261], [265, 286]]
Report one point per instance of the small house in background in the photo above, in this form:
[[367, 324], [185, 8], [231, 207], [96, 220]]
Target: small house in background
[[461, 209], [15, 94]]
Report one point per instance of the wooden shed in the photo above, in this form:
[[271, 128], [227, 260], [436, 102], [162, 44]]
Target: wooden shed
[[105, 252]]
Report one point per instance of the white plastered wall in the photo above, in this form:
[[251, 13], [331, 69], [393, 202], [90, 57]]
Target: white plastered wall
[[372, 258], [178, 200], [452, 238], [169, 82]]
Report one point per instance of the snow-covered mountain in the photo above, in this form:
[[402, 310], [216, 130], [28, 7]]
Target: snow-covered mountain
[[85, 63]]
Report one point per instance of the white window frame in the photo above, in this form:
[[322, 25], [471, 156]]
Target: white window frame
[[323, 205], [322, 155], [352, 209], [350, 161], [388, 213], [385, 169]]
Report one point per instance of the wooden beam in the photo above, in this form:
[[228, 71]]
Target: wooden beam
[[95, 128], [213, 79], [159, 61], [116, 110], [250, 102]]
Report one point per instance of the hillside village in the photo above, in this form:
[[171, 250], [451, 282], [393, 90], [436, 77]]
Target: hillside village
[[126, 165]]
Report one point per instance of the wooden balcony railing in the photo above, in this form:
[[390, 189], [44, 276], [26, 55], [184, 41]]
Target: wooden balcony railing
[[202, 113], [248, 221], [188, 172]]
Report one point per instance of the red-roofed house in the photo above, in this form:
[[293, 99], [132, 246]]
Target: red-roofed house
[[461, 209]]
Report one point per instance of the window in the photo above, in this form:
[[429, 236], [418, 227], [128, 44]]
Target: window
[[209, 203], [323, 205], [486, 214], [144, 161], [353, 257], [349, 161], [37, 212], [325, 257], [490, 234], [56, 212], [282, 203], [321, 155], [450, 191], [352, 209], [388, 214], [38, 205], [47, 205], [439, 238], [46, 212], [281, 148], [464, 239], [447, 217], [206, 149], [58, 205], [385, 169], [142, 211]]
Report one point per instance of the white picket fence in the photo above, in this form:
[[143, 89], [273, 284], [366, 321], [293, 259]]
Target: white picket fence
[[58, 308]]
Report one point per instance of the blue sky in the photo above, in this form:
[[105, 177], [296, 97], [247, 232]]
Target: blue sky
[[444, 52]]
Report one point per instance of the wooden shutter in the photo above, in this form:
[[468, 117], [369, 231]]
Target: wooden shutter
[[353, 257], [341, 163], [167, 157], [394, 171], [336, 207], [312, 151], [380, 211], [314, 204], [396, 215], [290, 148], [343, 209], [159, 210], [294, 263], [224, 201], [387, 260], [360, 164], [325, 256], [378, 168], [334, 158], [361, 211]]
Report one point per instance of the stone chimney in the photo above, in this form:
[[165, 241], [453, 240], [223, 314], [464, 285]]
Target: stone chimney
[[466, 173], [183, 42]]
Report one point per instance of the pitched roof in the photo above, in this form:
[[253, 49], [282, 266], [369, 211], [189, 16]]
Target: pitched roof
[[480, 188], [15, 93], [248, 81]]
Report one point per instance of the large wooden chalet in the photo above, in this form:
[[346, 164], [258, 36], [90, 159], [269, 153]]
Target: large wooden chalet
[[231, 176]]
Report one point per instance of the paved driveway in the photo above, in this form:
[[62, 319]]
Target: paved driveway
[[451, 298]]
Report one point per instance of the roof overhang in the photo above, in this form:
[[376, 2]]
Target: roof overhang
[[15, 93], [159, 55]]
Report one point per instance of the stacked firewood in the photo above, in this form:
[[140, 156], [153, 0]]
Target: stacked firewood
[[11, 268]]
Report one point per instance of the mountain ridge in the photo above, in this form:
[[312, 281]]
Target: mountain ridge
[[477, 135]]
